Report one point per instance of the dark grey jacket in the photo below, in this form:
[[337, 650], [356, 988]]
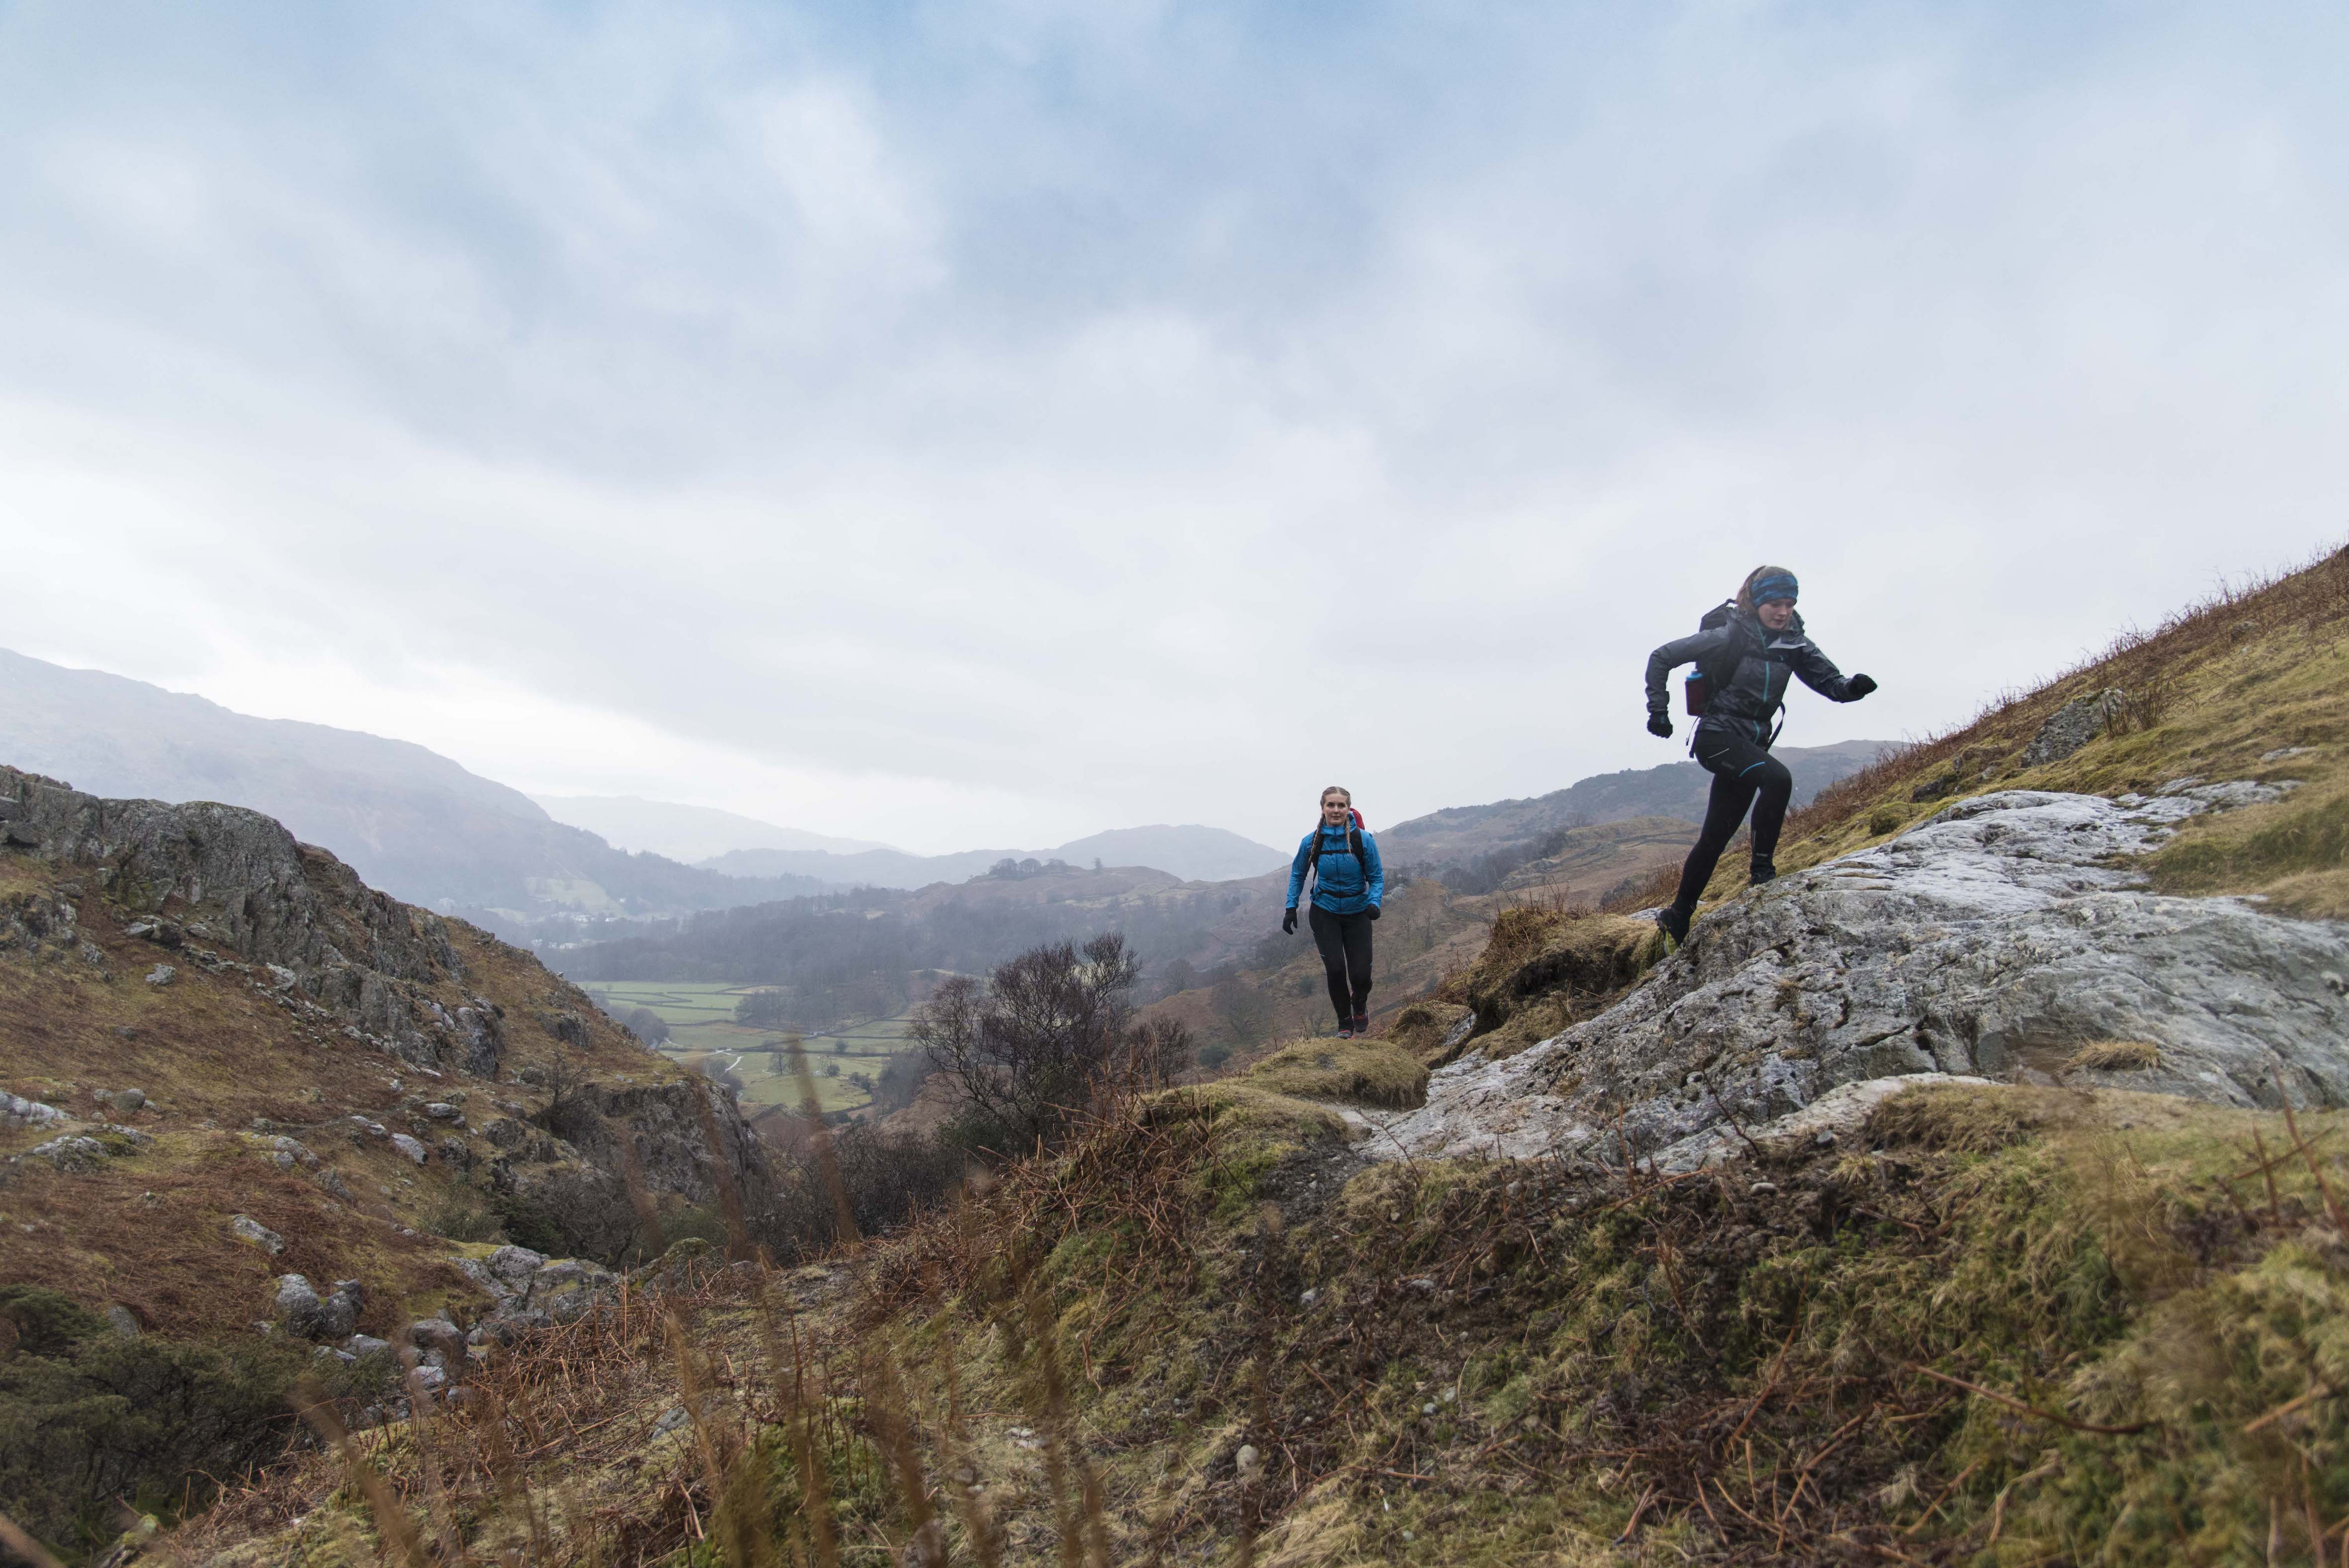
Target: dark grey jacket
[[1751, 667]]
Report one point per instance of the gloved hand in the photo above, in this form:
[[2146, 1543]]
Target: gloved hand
[[1372, 912], [1288, 923], [1660, 724], [1860, 687]]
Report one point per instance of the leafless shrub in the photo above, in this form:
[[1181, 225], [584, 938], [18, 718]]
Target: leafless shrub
[[1049, 1032]]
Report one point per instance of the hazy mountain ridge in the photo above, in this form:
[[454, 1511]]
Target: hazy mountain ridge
[[1187, 852], [407, 818], [691, 834], [1461, 833]]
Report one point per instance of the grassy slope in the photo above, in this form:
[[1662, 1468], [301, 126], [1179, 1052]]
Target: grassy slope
[[149, 1230], [1474, 1363], [2006, 1325]]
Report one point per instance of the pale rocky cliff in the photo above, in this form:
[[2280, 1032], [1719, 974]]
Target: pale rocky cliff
[[2008, 936]]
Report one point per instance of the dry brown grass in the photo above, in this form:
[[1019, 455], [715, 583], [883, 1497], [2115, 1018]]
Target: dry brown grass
[[2116, 1056]]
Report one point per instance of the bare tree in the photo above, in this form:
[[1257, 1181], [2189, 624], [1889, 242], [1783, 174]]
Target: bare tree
[[1049, 1031]]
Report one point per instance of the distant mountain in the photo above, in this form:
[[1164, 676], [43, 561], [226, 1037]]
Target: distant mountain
[[410, 821], [687, 833], [1191, 852], [1462, 833]]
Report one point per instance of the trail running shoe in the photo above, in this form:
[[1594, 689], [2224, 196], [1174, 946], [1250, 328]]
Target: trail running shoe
[[1763, 872], [1361, 1023], [1347, 1033], [1675, 922]]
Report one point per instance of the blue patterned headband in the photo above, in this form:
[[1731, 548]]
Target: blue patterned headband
[[1777, 585]]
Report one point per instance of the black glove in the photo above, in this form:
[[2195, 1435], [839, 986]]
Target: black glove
[[1288, 923], [1372, 912], [1660, 724], [1858, 686]]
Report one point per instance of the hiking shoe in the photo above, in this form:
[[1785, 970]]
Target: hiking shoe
[[1673, 921], [1763, 872], [1361, 1023], [1347, 1033]]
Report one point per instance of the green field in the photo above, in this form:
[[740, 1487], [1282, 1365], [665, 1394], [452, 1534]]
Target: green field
[[700, 1018]]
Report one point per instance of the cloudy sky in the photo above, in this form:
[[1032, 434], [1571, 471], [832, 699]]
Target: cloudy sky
[[988, 422]]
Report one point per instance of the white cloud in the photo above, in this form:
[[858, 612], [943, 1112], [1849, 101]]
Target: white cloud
[[1024, 419]]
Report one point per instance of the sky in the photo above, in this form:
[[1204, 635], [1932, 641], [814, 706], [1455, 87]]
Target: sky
[[997, 421]]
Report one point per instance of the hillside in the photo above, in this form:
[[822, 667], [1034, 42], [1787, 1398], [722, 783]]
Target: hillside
[[686, 834], [407, 819], [1188, 854], [224, 1061], [1967, 1195]]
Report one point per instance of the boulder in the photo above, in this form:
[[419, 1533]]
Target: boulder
[[161, 975], [17, 1111], [73, 1153], [245, 1228], [340, 1311], [516, 1265], [408, 1146], [359, 1345], [1996, 940], [437, 1333], [298, 1308]]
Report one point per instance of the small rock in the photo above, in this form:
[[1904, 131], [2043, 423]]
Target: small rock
[[408, 1146], [125, 1101], [298, 1306], [1250, 1463], [245, 1228], [74, 1152], [123, 1321], [440, 1110], [437, 1333], [426, 1379], [340, 1311], [1762, 1189], [516, 1264], [1427, 1410], [17, 1111], [360, 1344], [1308, 1298], [161, 975], [1825, 1140], [282, 976]]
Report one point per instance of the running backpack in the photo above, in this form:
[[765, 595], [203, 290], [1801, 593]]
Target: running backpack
[[1354, 843], [1708, 678]]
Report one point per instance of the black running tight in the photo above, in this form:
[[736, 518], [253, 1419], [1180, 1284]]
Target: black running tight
[[1743, 774], [1345, 943]]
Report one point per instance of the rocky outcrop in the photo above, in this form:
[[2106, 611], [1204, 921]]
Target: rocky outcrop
[[2004, 937]]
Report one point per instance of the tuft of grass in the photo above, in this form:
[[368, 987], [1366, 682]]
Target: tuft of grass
[[1368, 1071], [2116, 1056]]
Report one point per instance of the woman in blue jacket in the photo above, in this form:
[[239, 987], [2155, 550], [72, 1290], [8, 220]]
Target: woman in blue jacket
[[1349, 884]]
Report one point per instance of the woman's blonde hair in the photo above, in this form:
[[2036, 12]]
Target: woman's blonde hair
[[1745, 588], [1330, 789]]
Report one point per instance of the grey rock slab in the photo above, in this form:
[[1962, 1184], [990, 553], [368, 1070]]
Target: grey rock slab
[[408, 1146], [1990, 941], [161, 975]]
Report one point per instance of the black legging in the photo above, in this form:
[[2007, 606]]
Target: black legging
[[1345, 943], [1743, 774]]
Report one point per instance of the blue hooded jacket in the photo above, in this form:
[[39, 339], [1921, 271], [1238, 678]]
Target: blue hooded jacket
[[1342, 884]]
